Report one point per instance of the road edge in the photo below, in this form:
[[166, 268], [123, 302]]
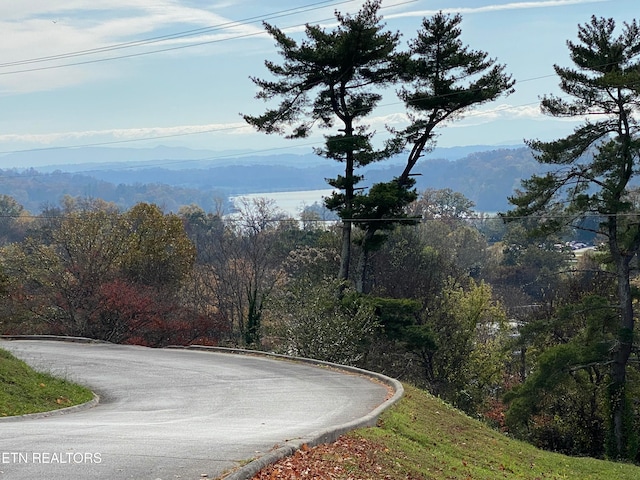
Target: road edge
[[52, 413], [248, 471]]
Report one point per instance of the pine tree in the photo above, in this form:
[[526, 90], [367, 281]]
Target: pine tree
[[442, 80], [333, 79], [594, 167]]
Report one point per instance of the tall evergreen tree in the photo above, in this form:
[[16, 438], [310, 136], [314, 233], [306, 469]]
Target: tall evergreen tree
[[595, 165], [333, 79], [443, 80]]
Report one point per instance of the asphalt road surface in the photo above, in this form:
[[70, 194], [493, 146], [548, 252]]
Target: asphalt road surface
[[171, 413]]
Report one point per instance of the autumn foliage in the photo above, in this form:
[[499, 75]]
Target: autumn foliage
[[95, 272]]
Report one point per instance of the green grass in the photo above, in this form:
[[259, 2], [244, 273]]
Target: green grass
[[421, 437], [23, 390]]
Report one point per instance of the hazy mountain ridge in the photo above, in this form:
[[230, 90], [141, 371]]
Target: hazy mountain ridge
[[484, 175], [36, 191], [179, 158]]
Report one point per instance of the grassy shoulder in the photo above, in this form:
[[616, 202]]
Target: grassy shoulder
[[421, 437], [23, 390]]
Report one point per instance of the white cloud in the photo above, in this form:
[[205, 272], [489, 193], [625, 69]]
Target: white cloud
[[475, 117], [119, 134], [231, 135], [506, 111], [495, 7], [482, 116]]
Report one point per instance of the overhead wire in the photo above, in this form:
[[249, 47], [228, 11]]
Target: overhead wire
[[478, 217], [151, 40], [281, 13], [291, 11], [177, 35], [164, 38], [183, 34]]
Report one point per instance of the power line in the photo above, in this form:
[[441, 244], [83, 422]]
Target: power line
[[164, 38], [221, 129], [478, 217], [115, 142], [177, 35], [278, 14]]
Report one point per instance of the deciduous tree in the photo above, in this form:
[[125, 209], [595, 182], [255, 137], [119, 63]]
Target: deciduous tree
[[158, 251], [12, 220]]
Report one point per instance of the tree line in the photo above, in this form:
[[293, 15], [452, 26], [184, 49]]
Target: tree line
[[498, 316], [36, 191], [487, 178]]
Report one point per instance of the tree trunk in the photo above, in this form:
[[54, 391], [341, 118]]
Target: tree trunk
[[347, 212], [362, 284], [254, 314], [403, 180], [621, 429], [345, 253]]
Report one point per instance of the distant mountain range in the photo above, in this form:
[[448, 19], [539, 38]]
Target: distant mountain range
[[179, 158], [172, 177]]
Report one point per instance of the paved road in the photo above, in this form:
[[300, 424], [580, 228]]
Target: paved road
[[172, 414]]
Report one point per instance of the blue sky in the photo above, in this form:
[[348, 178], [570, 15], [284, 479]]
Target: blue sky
[[142, 73]]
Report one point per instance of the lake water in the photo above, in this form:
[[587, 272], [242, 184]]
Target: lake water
[[292, 203]]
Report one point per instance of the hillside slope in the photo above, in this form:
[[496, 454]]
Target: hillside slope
[[423, 438]]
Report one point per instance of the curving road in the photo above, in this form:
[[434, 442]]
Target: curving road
[[171, 413]]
